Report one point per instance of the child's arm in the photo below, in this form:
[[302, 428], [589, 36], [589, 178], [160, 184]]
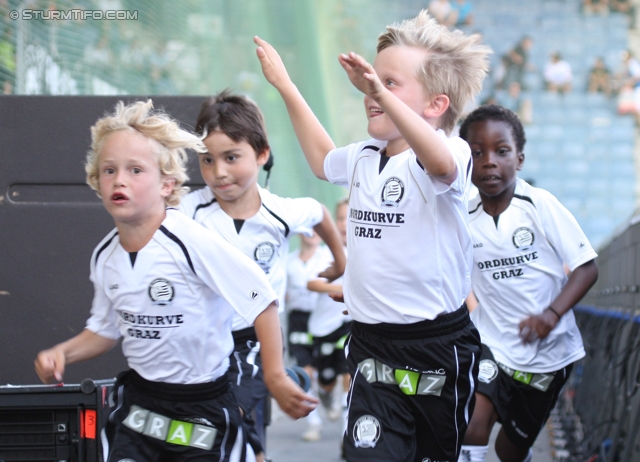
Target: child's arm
[[329, 233], [322, 285], [313, 138], [579, 283], [50, 364], [291, 398], [430, 149]]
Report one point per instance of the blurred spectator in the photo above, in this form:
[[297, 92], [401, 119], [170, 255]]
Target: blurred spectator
[[516, 63], [626, 101], [627, 73], [627, 7], [595, 6], [599, 78], [557, 74], [462, 13], [514, 100], [442, 11]]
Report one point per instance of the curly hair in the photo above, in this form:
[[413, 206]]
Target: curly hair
[[168, 141], [455, 64], [497, 113]]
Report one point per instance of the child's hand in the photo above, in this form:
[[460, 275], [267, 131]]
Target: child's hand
[[332, 272], [49, 365], [537, 327], [272, 66], [361, 74], [290, 397]]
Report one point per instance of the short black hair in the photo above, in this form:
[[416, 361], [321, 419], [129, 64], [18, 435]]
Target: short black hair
[[236, 116], [498, 113]]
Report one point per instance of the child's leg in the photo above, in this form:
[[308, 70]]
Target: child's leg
[[476, 440], [507, 451], [528, 411]]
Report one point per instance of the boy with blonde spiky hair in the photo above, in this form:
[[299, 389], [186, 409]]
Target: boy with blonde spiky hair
[[413, 350], [159, 287]]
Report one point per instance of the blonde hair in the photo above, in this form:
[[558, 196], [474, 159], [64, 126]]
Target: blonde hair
[[167, 140], [455, 64]]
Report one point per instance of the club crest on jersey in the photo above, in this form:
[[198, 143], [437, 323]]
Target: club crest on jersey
[[366, 432], [488, 371], [161, 292], [263, 254], [523, 238], [392, 192]]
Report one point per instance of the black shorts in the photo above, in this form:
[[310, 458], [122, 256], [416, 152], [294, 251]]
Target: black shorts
[[412, 388], [300, 341], [522, 400], [154, 421], [247, 384], [328, 354]]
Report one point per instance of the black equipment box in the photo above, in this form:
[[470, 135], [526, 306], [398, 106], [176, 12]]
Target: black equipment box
[[55, 423]]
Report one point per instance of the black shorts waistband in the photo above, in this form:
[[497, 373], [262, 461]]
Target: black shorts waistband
[[177, 391], [243, 335], [443, 325]]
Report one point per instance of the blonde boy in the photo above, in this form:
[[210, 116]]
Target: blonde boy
[[155, 285], [413, 351]]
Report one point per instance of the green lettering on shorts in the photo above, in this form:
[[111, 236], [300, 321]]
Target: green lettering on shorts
[[180, 433], [407, 381], [524, 377]]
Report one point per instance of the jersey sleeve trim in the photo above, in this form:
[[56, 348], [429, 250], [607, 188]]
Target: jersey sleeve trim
[[471, 212], [104, 246], [175, 239], [284, 223], [370, 146], [524, 198], [202, 206]]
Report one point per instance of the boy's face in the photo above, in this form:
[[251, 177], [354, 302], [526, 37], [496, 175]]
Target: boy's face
[[130, 183], [230, 168], [495, 157], [397, 68]]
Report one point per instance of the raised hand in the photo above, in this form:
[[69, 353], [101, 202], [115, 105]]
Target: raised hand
[[361, 74], [273, 68]]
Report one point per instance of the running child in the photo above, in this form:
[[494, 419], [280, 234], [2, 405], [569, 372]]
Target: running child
[[303, 264], [329, 327], [522, 237], [413, 351], [252, 219], [159, 285]]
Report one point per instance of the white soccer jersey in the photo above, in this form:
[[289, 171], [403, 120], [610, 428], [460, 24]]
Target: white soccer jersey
[[327, 316], [299, 273], [163, 304], [409, 246], [518, 271], [263, 237]]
